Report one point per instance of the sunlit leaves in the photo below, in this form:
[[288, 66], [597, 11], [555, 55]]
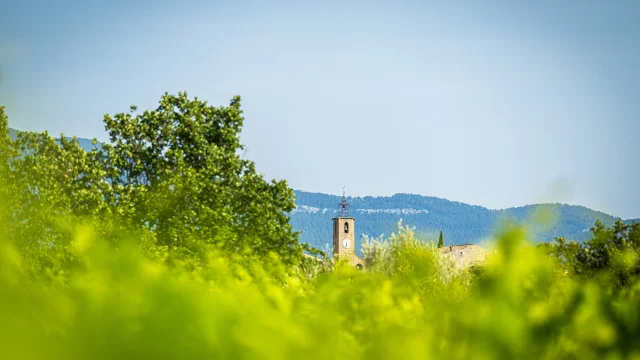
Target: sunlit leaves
[[178, 169], [245, 306], [173, 175]]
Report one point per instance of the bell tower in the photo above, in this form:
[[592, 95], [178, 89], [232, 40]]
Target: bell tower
[[344, 235]]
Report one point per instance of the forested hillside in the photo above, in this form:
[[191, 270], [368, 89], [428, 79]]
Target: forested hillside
[[461, 223]]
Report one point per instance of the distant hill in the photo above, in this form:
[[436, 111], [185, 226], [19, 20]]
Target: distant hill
[[461, 223], [13, 134], [84, 143]]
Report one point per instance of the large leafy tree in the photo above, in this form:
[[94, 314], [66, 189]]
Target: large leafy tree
[[178, 171], [174, 175]]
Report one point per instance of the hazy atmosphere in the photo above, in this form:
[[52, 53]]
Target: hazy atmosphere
[[498, 106]]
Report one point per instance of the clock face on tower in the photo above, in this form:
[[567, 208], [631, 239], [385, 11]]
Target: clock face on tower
[[346, 243]]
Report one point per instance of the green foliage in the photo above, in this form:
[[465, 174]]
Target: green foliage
[[408, 304], [174, 176], [44, 182], [612, 255], [440, 240], [177, 170]]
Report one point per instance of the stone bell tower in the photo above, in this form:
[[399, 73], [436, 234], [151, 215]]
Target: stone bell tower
[[344, 235]]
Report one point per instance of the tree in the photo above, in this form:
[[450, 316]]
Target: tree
[[612, 254], [440, 240], [174, 174], [6, 176], [177, 170]]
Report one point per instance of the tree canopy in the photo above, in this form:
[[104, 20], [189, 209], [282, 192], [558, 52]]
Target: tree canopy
[[613, 254], [174, 175]]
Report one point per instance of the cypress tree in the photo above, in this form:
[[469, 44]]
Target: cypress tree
[[441, 240]]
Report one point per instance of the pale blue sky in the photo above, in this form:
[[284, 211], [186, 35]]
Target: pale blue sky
[[496, 104]]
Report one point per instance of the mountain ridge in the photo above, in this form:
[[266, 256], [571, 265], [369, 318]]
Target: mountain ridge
[[431, 197], [460, 222]]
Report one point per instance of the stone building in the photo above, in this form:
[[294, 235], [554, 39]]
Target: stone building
[[465, 255]]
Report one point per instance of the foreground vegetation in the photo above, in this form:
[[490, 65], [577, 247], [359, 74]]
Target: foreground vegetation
[[168, 244], [410, 304]]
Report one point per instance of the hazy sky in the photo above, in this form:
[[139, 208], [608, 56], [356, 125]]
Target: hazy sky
[[497, 105]]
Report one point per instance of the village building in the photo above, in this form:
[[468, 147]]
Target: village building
[[465, 255]]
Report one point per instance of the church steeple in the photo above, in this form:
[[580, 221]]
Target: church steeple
[[344, 234]]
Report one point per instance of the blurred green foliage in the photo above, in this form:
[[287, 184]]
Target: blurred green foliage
[[611, 255], [410, 304], [120, 253]]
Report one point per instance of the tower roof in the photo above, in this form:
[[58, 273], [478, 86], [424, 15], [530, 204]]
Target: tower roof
[[343, 206]]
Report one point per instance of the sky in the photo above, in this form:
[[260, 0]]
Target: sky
[[501, 104]]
